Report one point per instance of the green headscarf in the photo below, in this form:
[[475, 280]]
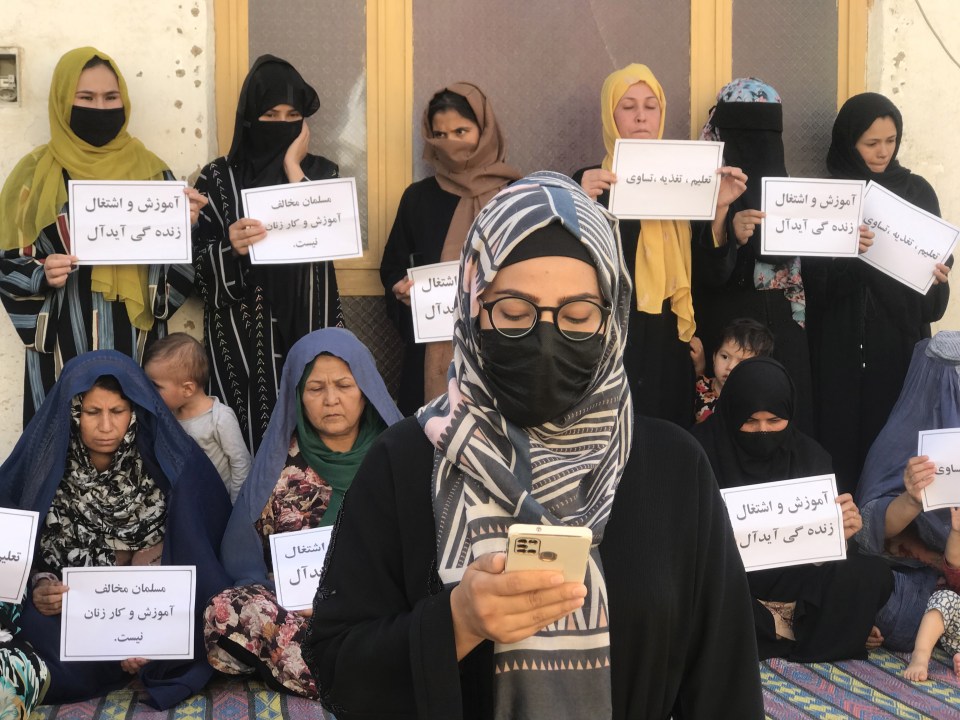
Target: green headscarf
[[337, 469], [35, 192]]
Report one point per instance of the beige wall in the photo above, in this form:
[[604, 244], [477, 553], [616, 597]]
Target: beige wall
[[906, 63], [165, 51]]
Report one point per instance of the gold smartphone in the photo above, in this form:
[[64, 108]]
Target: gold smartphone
[[549, 547]]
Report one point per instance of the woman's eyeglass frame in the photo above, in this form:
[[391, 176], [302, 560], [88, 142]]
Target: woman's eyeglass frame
[[540, 309]]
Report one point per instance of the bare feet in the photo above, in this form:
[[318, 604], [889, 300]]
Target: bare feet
[[917, 669], [956, 665], [874, 639]]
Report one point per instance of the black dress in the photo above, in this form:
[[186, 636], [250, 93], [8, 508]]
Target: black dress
[[382, 645], [416, 238]]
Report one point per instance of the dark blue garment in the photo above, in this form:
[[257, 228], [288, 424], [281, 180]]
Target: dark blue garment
[[198, 508], [242, 546]]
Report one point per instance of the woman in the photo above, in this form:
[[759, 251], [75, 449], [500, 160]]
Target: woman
[[806, 613], [536, 428], [331, 407], [116, 482], [863, 323], [890, 489], [663, 256], [748, 119], [254, 314], [61, 310], [464, 143]]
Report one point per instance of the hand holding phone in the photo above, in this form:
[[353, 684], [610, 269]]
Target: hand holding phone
[[559, 548]]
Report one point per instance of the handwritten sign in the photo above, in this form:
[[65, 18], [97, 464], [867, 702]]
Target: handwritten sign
[[812, 217], [790, 522], [114, 613], [306, 221], [18, 535], [909, 241], [943, 448], [297, 565], [432, 299], [666, 179], [130, 222]]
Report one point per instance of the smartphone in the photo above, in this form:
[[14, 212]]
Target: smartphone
[[549, 547]]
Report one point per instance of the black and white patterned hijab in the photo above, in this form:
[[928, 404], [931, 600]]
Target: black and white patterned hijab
[[490, 473]]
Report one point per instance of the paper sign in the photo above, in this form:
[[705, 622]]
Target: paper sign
[[130, 222], [666, 179], [908, 241], [114, 613], [790, 522], [433, 296], [943, 448], [18, 536], [297, 565], [305, 221], [811, 217]]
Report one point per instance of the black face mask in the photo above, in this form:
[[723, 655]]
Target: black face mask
[[537, 377], [268, 139], [761, 445], [95, 126]]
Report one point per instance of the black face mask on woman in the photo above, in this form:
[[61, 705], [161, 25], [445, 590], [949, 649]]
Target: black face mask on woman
[[761, 445], [269, 138], [96, 126], [535, 378]]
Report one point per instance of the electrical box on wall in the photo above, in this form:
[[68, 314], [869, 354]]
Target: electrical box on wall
[[9, 77]]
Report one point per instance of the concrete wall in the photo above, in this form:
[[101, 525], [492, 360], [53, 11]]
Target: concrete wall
[[165, 52], [907, 63]]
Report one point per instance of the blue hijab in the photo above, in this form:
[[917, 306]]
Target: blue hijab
[[929, 400], [198, 508], [242, 548]]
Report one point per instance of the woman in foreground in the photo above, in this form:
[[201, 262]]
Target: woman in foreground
[[415, 617]]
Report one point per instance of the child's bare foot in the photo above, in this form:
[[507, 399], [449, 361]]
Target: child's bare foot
[[917, 669], [956, 665], [874, 639]]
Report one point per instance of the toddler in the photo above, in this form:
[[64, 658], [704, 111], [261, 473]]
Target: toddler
[[743, 338], [177, 366], [941, 621]]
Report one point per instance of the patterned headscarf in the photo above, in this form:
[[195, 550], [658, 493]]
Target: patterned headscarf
[[747, 90], [489, 473]]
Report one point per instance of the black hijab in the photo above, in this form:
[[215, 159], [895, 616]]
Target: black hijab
[[844, 160], [259, 146], [741, 458]]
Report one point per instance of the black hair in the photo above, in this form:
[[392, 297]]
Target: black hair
[[749, 335], [449, 100], [189, 355], [109, 382], [97, 61]]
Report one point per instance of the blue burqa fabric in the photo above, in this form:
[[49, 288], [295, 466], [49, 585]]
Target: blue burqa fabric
[[198, 508], [930, 400], [242, 548]]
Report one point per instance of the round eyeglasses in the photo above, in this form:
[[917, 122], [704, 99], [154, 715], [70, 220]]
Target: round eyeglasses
[[576, 320]]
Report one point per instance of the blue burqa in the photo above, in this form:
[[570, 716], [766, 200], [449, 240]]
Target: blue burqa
[[198, 508]]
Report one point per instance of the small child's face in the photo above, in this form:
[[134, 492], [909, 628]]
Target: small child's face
[[168, 384], [726, 358]]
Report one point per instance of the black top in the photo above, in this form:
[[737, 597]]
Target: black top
[[382, 646]]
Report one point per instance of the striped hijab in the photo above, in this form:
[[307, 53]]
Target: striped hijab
[[489, 473]]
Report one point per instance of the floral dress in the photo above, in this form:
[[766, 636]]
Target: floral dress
[[245, 628], [24, 677]]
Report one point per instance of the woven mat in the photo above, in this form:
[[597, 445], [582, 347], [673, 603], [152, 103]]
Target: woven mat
[[868, 689], [220, 700]]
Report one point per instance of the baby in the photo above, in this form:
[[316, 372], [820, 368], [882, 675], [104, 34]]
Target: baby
[[941, 621], [177, 366], [743, 338]]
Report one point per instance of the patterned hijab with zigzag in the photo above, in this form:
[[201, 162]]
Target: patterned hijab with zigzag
[[489, 473]]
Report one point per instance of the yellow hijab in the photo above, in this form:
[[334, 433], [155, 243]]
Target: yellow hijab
[[34, 193], [663, 249]]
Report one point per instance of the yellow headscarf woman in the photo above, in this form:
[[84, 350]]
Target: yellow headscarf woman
[[35, 192], [663, 264]]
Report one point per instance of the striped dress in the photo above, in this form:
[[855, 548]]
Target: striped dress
[[56, 325], [249, 326]]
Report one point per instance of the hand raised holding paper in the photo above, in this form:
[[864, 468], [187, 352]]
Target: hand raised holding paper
[[940, 273], [48, 596], [852, 522], [745, 223], [918, 474], [57, 268], [733, 183], [597, 181], [198, 201], [244, 233], [866, 239]]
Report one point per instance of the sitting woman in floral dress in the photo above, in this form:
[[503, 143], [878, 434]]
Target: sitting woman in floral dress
[[332, 405], [24, 677]]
